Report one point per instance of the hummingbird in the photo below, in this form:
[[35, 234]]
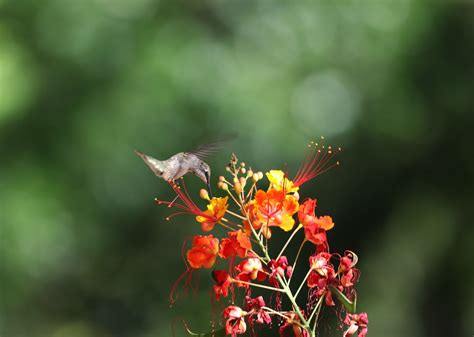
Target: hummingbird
[[182, 163]]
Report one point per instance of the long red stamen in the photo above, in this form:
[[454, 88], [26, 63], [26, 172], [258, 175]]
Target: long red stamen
[[187, 206], [186, 275], [318, 159]]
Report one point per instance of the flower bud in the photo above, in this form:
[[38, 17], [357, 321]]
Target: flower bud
[[242, 181], [237, 188], [222, 185], [255, 177], [260, 175], [204, 194], [249, 173], [236, 180], [243, 170], [242, 164], [221, 178]]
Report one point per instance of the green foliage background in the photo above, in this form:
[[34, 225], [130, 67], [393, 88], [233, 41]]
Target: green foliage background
[[83, 249]]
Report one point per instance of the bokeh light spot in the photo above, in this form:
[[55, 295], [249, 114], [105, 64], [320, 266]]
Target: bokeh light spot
[[324, 104]]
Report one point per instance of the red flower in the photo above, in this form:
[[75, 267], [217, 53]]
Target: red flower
[[347, 279], [238, 243], [314, 227], [307, 208], [203, 254], [255, 308], [250, 269], [320, 263], [223, 280], [235, 323], [280, 267], [356, 322], [322, 275], [346, 268]]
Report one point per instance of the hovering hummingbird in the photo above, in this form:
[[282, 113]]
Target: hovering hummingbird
[[182, 163]]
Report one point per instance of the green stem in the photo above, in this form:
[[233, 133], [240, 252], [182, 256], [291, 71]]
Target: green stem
[[316, 310], [289, 240], [317, 316], [236, 215], [274, 312], [303, 282], [293, 302], [296, 259], [256, 285], [232, 196]]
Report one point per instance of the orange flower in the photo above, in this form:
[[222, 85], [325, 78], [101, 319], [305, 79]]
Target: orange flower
[[314, 227], [214, 213], [238, 243], [274, 208], [204, 251]]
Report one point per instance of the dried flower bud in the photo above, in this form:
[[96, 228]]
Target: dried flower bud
[[204, 194]]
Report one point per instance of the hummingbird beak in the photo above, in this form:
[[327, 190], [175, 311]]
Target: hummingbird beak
[[208, 182]]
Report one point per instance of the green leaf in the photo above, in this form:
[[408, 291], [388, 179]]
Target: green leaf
[[348, 304]]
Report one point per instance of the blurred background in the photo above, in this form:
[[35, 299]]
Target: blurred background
[[84, 251]]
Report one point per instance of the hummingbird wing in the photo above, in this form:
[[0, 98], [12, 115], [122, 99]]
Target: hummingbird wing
[[210, 149]]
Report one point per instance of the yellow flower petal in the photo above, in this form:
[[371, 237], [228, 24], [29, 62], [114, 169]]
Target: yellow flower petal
[[287, 222], [279, 182]]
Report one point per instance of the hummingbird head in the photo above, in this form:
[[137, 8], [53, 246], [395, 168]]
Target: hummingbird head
[[203, 172]]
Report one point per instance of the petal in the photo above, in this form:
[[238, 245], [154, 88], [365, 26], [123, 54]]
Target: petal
[[287, 222], [325, 222]]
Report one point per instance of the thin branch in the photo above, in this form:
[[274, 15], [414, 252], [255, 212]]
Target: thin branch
[[289, 240]]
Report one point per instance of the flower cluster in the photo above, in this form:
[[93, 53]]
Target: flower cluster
[[245, 256]]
